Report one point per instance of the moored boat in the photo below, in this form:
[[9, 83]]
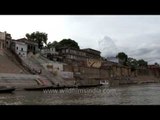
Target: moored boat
[[104, 82], [88, 86], [37, 88], [6, 89]]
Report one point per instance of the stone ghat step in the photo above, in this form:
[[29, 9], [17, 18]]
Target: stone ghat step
[[7, 65], [20, 75], [5, 76]]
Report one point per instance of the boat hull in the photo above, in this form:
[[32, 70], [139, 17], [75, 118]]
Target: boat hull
[[38, 88], [7, 90]]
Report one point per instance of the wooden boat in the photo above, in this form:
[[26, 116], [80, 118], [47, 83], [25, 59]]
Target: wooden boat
[[6, 89], [88, 86], [38, 88], [104, 82]]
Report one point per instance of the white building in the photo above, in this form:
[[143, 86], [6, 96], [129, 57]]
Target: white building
[[20, 48], [51, 51], [23, 46]]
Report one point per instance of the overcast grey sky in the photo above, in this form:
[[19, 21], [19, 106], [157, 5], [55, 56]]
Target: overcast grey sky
[[137, 35]]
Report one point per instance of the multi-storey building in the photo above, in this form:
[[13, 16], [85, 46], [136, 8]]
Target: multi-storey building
[[5, 40], [23, 46]]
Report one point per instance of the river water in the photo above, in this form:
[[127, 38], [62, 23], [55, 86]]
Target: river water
[[144, 94]]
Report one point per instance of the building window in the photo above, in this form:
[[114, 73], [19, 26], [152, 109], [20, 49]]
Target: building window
[[17, 48], [21, 49]]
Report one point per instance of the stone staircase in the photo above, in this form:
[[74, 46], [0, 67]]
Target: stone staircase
[[9, 66], [56, 80], [33, 64], [21, 80], [13, 58]]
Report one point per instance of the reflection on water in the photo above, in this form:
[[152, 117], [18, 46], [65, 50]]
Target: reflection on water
[[145, 94]]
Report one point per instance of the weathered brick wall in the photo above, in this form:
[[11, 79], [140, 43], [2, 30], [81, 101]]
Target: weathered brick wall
[[89, 72], [129, 72], [88, 82], [118, 71], [146, 72], [142, 72], [104, 73], [67, 68], [84, 71], [125, 71], [75, 68], [154, 72]]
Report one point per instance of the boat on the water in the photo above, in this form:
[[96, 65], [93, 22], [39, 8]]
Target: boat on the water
[[88, 86], [104, 82], [6, 89], [37, 88]]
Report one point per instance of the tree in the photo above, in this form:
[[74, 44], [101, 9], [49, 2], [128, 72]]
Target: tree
[[39, 37], [142, 63], [53, 44], [122, 58], [68, 43], [131, 62], [156, 64]]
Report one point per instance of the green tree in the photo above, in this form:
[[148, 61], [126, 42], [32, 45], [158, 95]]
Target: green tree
[[142, 63], [68, 43], [122, 58], [156, 64], [39, 37], [53, 44], [131, 62]]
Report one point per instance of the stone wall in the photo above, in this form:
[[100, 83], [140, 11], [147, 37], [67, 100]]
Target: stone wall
[[104, 73], [22, 80], [148, 72], [87, 82], [89, 72], [115, 74]]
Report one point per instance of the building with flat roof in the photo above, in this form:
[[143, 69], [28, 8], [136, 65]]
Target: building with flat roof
[[81, 57], [5, 40], [23, 46], [92, 53], [31, 45]]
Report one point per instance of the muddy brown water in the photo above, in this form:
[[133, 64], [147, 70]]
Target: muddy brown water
[[144, 94]]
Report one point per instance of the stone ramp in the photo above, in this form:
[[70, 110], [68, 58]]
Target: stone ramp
[[56, 80], [22, 80], [9, 64]]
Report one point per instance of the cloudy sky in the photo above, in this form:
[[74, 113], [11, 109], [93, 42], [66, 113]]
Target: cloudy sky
[[136, 35]]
